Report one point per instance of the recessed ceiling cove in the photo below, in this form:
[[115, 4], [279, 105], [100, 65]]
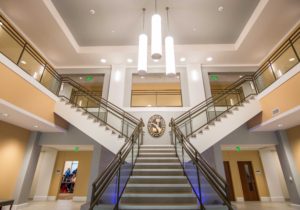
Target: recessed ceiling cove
[[119, 22]]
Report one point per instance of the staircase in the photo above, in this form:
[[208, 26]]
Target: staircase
[[99, 119], [214, 131], [213, 119], [158, 182]]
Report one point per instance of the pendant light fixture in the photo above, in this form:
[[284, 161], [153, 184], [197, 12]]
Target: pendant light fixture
[[143, 48], [169, 50], [156, 40]]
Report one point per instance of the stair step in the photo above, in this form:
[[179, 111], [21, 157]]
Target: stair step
[[158, 166], [158, 172], [158, 198], [164, 150], [158, 188], [158, 180], [169, 154], [151, 206], [157, 160]]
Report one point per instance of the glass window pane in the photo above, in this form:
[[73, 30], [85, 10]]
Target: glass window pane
[[50, 82], [297, 46], [31, 65], [265, 79], [285, 62], [9, 46]]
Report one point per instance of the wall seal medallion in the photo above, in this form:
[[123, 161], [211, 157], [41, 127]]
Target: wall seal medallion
[[156, 126]]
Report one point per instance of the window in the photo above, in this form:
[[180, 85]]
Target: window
[[156, 90]]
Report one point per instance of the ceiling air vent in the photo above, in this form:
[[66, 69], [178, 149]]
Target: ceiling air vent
[[275, 111]]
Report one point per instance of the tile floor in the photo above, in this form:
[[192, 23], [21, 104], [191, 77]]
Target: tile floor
[[265, 206], [69, 205]]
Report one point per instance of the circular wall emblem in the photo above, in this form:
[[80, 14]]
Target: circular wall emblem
[[156, 126]]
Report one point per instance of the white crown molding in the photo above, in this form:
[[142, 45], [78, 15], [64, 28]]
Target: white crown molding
[[252, 20], [61, 24], [197, 47]]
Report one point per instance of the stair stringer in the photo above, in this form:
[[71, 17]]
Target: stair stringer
[[228, 123], [86, 124]]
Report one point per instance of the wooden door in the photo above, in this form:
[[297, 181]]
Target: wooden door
[[248, 181], [229, 180]]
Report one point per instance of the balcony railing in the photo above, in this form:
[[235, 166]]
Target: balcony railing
[[156, 98], [19, 51]]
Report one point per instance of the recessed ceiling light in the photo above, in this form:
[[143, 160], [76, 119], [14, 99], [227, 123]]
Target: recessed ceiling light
[[92, 11], [103, 60], [291, 59], [80, 77], [220, 8], [155, 60], [280, 125], [129, 60], [23, 62], [182, 59], [209, 59], [35, 126], [194, 29], [178, 77]]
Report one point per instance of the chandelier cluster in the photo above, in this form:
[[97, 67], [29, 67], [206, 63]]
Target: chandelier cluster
[[156, 45]]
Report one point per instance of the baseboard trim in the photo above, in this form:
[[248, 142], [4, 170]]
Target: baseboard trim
[[80, 198], [277, 199], [295, 205], [265, 199], [240, 199], [51, 198], [40, 198]]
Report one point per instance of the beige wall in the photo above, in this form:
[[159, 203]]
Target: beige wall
[[284, 97], [13, 142], [294, 140], [233, 157], [83, 173], [21, 93]]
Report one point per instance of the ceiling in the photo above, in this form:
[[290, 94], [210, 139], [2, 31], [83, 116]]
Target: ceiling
[[118, 22], [14, 115], [69, 37]]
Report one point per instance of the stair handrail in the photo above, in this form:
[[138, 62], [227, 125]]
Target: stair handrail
[[100, 99], [212, 99], [104, 179], [188, 116], [217, 182]]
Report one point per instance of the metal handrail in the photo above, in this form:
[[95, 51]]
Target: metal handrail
[[216, 181], [104, 179]]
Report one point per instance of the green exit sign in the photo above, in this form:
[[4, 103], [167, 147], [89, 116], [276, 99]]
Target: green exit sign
[[89, 78], [76, 149], [214, 77], [238, 148]]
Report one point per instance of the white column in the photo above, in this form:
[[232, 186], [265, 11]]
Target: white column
[[43, 174], [195, 84], [24, 183], [117, 85], [270, 165]]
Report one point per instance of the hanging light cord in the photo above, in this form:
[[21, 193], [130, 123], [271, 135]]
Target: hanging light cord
[[168, 22], [144, 10]]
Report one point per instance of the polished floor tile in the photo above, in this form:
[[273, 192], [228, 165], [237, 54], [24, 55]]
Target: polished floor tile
[[264, 206], [54, 205], [69, 205]]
